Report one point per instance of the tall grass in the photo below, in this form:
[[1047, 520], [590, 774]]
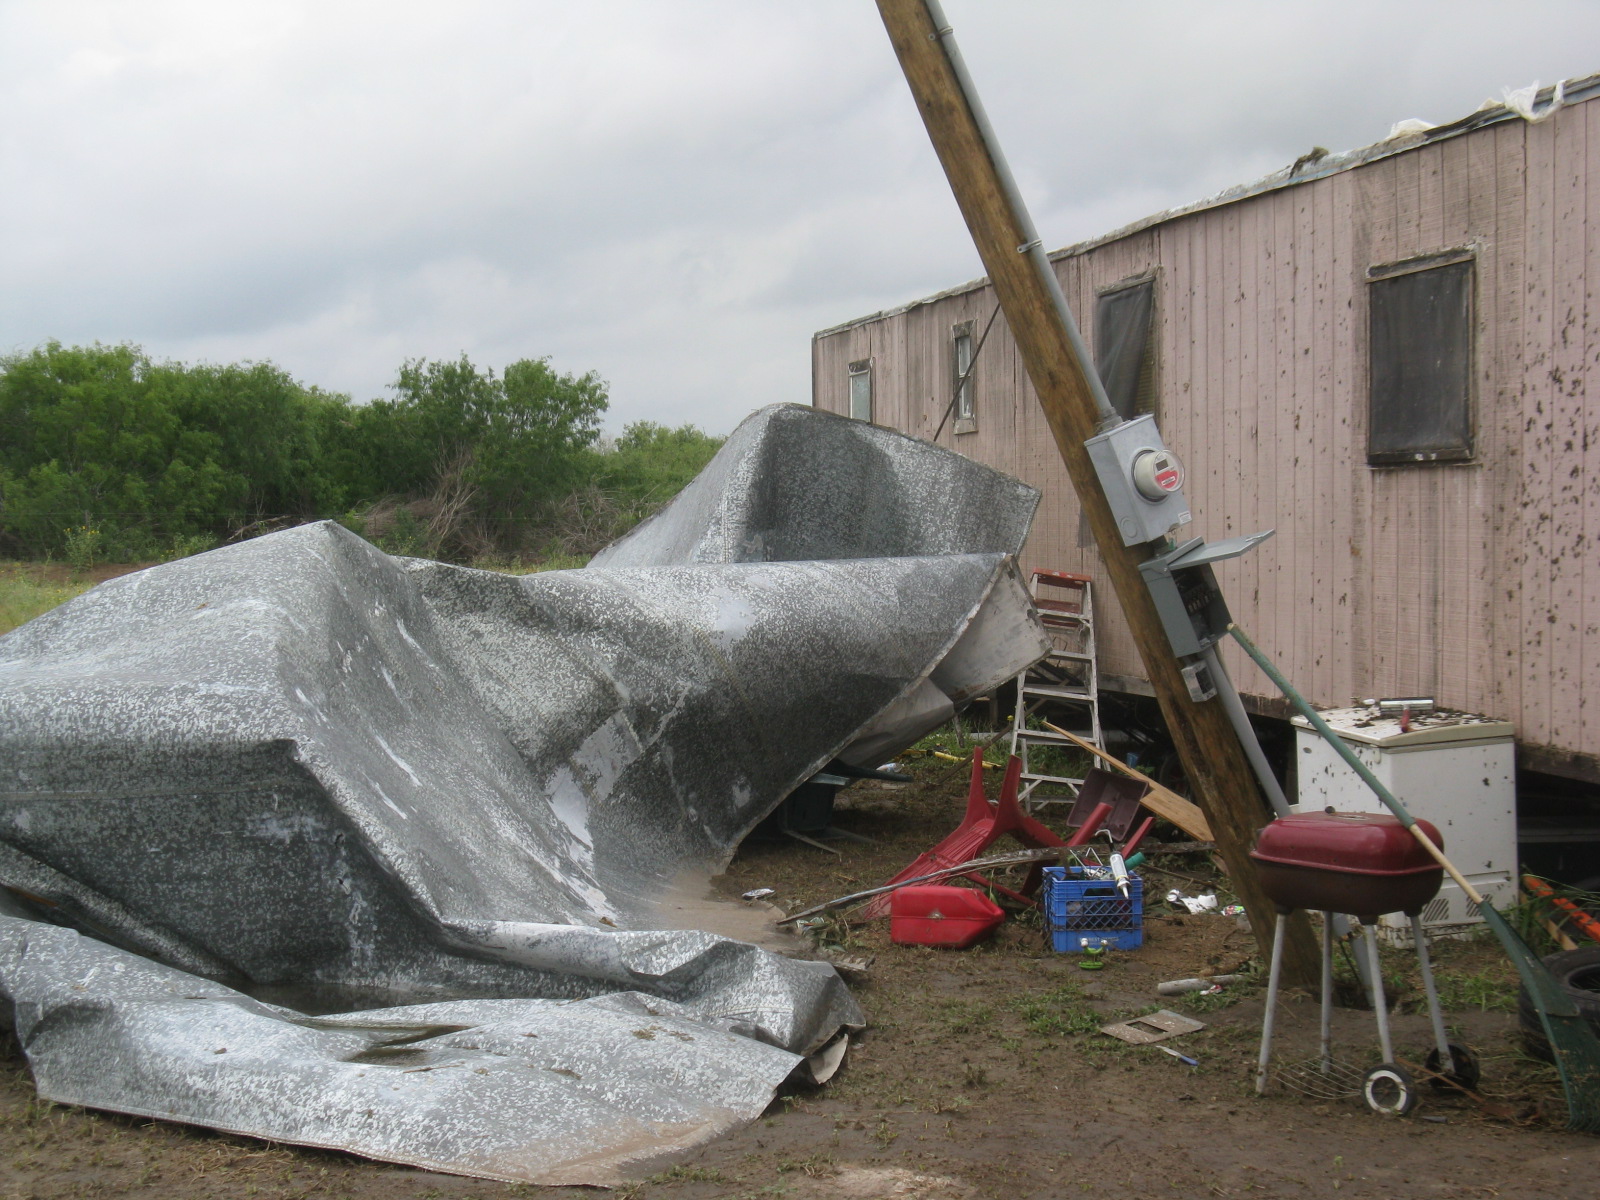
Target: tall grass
[[25, 594]]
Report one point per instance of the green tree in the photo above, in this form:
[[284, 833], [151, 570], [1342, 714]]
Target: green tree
[[94, 445], [151, 455], [651, 463], [109, 454], [483, 458]]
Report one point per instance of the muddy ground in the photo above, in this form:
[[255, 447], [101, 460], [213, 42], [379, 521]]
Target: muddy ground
[[982, 1075]]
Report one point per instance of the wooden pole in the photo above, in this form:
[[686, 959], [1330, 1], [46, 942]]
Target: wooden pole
[[1218, 773]]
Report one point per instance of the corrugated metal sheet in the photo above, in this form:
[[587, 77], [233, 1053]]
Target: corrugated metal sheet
[[298, 770]]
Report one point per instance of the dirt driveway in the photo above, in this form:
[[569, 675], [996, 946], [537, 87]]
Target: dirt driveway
[[982, 1076]]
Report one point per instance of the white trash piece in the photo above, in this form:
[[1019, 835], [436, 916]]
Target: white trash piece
[[1521, 101]]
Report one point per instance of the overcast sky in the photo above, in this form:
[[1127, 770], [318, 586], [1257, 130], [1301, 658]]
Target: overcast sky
[[674, 194]]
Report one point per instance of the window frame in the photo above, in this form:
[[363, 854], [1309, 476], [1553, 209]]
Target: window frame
[[1383, 379], [860, 369], [964, 396], [1147, 380]]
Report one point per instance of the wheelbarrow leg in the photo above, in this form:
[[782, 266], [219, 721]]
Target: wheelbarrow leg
[[1380, 1002], [1447, 1064], [1271, 1014], [1327, 992]]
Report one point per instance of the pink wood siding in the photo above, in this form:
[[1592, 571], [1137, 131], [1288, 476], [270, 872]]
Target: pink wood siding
[[1478, 583]]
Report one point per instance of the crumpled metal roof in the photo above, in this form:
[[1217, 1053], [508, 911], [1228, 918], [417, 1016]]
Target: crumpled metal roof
[[300, 770]]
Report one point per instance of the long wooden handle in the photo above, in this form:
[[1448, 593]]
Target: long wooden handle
[[1164, 802], [1438, 856]]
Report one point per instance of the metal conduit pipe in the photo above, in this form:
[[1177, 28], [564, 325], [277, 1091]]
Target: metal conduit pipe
[[1031, 246], [1240, 720]]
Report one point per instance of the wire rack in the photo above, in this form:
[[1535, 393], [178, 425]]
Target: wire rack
[[1321, 1079], [1087, 858]]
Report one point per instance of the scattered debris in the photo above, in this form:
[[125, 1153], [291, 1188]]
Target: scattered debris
[[808, 919], [1213, 983], [983, 825], [1205, 902], [1164, 802], [942, 915], [1082, 906], [854, 970], [1153, 1027]]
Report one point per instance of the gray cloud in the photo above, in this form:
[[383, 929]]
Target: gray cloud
[[676, 196]]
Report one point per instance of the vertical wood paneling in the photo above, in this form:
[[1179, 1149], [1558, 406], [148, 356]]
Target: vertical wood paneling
[[1242, 577], [1537, 425], [1333, 506], [1500, 403], [1226, 381], [1589, 729], [1376, 633], [1303, 515], [1459, 205], [1276, 451], [1478, 583], [1569, 173]]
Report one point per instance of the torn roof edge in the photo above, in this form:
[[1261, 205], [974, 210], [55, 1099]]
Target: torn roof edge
[[1491, 112]]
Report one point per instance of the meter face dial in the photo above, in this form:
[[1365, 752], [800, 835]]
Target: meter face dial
[[1157, 474]]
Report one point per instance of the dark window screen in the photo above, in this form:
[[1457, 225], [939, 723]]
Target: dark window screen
[[1420, 404], [1121, 348]]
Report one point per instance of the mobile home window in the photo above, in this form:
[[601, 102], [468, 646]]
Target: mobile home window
[[1419, 402], [960, 381], [1124, 351], [861, 390]]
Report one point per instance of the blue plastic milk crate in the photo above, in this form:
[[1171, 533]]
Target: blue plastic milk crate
[[1076, 908]]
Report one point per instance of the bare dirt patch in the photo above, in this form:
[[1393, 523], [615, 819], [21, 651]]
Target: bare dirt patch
[[981, 1076]]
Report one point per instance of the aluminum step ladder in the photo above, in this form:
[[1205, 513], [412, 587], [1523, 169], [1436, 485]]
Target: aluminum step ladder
[[1064, 686]]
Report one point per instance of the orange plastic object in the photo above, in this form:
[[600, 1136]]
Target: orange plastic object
[[1579, 918], [940, 915]]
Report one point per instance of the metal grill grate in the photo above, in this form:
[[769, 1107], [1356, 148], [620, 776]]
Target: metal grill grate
[[1331, 1080]]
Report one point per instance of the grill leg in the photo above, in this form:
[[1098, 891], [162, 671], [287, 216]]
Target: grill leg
[[1272, 1005], [1446, 1065], [1380, 1002], [1327, 992]]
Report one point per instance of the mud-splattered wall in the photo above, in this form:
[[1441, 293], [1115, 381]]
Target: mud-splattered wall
[[1477, 582]]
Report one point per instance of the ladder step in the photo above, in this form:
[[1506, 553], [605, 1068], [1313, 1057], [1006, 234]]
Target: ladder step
[[1062, 693], [1043, 737], [1066, 677]]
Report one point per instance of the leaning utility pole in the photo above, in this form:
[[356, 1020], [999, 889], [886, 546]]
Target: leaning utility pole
[[1074, 405]]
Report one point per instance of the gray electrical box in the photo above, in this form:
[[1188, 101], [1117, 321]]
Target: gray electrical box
[[1142, 480], [1185, 590]]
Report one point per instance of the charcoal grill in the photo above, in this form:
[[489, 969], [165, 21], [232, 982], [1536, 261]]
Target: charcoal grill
[[1363, 864]]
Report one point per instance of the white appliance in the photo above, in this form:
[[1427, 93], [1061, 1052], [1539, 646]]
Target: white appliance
[[1456, 770]]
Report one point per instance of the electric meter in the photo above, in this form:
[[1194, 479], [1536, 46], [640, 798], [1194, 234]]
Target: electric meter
[[1156, 474], [1142, 480]]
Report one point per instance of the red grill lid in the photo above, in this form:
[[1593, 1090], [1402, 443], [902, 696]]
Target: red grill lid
[[1356, 843]]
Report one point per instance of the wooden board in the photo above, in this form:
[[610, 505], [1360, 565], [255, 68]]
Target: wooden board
[[1164, 802]]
